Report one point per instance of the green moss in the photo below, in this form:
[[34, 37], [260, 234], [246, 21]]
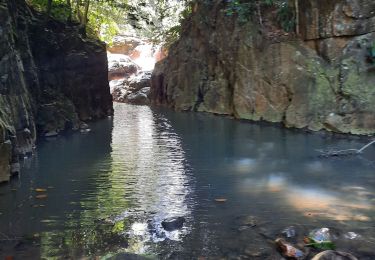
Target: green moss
[[359, 86]]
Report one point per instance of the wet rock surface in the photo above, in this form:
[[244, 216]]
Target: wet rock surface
[[172, 224], [50, 79], [134, 90], [131, 61], [121, 66], [288, 250], [320, 79]]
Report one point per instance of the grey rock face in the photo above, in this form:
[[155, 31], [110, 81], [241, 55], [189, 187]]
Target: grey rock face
[[134, 90], [50, 80]]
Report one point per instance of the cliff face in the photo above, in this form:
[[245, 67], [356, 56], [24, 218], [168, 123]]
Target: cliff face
[[50, 80], [323, 78]]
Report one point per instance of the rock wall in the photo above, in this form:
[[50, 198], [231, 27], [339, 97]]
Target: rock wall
[[50, 80], [323, 78]]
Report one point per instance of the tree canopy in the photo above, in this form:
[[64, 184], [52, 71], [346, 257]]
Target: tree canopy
[[152, 19]]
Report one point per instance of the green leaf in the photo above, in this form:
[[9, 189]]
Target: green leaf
[[325, 245]]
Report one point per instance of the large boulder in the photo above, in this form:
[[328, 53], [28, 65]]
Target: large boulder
[[134, 90], [121, 66], [72, 73], [124, 44]]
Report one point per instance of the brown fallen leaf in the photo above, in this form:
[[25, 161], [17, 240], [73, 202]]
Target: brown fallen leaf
[[41, 196], [40, 190], [220, 200]]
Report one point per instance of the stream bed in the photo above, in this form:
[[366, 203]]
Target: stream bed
[[236, 186]]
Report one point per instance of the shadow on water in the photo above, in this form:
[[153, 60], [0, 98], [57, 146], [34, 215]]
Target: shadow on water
[[107, 191]]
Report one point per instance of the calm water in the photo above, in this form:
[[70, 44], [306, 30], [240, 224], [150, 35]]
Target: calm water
[[106, 192]]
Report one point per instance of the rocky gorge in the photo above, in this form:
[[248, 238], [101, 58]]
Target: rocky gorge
[[320, 77], [51, 79], [131, 61]]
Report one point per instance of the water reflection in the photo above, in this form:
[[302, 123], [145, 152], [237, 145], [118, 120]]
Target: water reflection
[[105, 192], [149, 157]]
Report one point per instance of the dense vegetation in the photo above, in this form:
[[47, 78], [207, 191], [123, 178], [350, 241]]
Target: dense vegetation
[[245, 10], [157, 20], [105, 18]]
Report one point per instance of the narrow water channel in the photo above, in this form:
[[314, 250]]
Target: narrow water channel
[[106, 192]]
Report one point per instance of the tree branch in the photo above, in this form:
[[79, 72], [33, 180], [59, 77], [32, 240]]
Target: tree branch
[[346, 151]]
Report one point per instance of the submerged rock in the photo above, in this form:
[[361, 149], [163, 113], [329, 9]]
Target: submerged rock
[[288, 250], [51, 134], [289, 232], [174, 223], [320, 238], [352, 235], [334, 255], [15, 168]]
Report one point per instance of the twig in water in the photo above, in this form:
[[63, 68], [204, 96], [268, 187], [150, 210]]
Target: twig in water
[[367, 145], [346, 152], [7, 238]]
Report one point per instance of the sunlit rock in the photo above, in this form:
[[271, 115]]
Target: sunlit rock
[[121, 66]]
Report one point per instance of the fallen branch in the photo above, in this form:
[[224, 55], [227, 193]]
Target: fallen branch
[[367, 145], [346, 152], [7, 238]]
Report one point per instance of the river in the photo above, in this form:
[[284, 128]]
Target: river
[[237, 185]]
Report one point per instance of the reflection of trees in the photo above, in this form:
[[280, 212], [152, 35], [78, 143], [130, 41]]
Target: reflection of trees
[[148, 154], [76, 203], [143, 181]]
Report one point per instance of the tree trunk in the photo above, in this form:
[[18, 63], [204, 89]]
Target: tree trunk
[[78, 11], [85, 14], [69, 4], [296, 6], [85, 17], [259, 14], [49, 7]]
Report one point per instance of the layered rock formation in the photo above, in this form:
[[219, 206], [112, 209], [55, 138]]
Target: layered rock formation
[[322, 78], [51, 79]]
